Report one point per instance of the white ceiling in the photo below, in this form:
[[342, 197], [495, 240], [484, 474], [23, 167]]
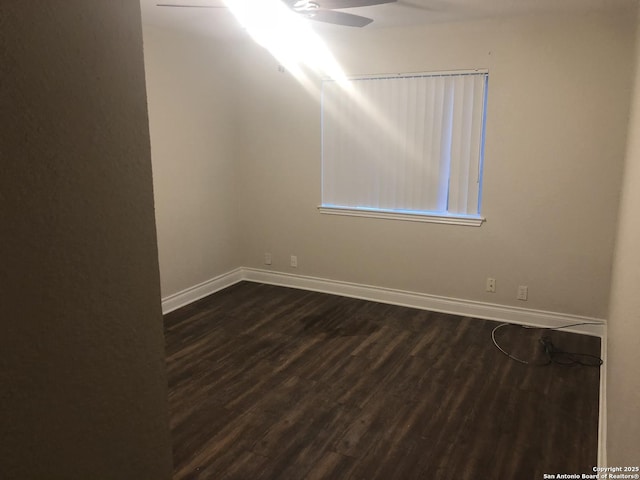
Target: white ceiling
[[220, 23]]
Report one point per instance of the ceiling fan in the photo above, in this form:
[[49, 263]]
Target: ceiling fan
[[318, 10]]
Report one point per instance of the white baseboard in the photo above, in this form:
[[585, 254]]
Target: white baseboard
[[191, 294], [602, 410], [423, 301]]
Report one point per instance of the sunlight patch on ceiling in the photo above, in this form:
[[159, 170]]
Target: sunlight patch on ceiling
[[287, 36]]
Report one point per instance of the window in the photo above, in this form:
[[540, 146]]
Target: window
[[405, 146]]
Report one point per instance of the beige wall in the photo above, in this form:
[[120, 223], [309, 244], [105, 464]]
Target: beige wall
[[83, 388], [623, 378], [557, 110], [191, 120]]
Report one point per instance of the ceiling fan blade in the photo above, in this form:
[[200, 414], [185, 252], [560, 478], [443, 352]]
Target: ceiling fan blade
[[338, 4], [320, 14], [188, 6], [339, 18]]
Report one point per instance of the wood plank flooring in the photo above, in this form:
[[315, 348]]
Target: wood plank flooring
[[270, 383]]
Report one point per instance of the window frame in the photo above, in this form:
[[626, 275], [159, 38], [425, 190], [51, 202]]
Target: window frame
[[474, 220]]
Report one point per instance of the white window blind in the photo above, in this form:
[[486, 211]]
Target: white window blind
[[404, 144]]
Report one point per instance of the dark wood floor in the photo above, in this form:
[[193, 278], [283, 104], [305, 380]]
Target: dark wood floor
[[275, 383]]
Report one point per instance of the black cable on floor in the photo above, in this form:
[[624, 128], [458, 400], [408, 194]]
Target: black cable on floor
[[553, 354]]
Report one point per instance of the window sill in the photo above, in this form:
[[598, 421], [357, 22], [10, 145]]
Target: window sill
[[466, 220]]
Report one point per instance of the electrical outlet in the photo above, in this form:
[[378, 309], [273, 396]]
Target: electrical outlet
[[523, 292], [491, 285], [294, 261], [267, 259]]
